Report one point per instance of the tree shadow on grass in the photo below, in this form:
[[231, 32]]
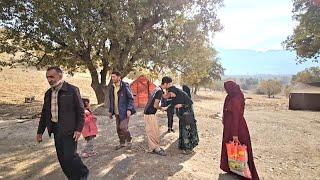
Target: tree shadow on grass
[[147, 165]]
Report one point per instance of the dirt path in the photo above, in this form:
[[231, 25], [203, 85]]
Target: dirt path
[[285, 143]]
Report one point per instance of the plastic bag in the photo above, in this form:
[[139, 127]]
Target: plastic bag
[[238, 159]]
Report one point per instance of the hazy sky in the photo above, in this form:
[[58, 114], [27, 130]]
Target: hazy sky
[[254, 24]]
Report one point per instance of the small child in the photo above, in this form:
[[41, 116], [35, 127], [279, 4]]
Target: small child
[[89, 131]]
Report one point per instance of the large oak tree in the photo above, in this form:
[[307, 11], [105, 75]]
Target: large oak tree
[[98, 35]]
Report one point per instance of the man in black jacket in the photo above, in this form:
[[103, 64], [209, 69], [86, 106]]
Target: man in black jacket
[[63, 115]]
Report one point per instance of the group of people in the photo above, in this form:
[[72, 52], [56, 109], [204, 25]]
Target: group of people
[[67, 116], [122, 107], [188, 134]]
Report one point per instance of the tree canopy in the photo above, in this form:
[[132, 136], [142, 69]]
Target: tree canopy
[[305, 40], [308, 75], [100, 36], [270, 87]]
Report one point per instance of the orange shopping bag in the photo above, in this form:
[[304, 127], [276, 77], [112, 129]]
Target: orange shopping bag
[[238, 159]]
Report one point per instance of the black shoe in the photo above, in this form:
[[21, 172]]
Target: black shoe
[[120, 146], [172, 131], [85, 177]]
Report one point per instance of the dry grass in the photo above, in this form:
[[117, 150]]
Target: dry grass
[[16, 84]]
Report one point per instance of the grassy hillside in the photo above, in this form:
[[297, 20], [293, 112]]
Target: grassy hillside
[[18, 83]]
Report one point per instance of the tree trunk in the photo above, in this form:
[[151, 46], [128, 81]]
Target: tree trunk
[[107, 93], [105, 88], [196, 89], [99, 91], [95, 84]]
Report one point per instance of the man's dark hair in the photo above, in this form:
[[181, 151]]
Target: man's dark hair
[[56, 68], [116, 73], [166, 79]]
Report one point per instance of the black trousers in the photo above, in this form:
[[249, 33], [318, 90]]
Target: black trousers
[[123, 130], [69, 160], [170, 113]]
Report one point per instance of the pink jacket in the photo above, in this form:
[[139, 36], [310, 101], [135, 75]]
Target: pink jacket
[[90, 127]]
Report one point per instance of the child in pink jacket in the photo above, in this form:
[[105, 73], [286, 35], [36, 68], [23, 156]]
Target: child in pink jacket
[[89, 130]]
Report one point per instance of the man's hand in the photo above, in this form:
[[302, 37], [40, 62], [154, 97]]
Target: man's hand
[[128, 113], [76, 135], [110, 115], [39, 138], [164, 108]]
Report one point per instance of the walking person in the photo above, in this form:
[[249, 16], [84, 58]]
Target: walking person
[[89, 131], [188, 133], [122, 107], [235, 127], [63, 115], [151, 120]]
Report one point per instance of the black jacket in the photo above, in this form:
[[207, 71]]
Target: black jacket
[[70, 111], [181, 98]]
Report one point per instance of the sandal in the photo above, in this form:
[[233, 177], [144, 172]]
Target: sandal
[[187, 152], [160, 152]]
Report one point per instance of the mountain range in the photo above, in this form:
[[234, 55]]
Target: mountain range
[[251, 62]]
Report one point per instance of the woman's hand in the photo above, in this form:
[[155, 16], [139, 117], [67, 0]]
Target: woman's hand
[[178, 106], [235, 138]]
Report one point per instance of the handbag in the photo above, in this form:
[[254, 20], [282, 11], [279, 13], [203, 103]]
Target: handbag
[[188, 118], [238, 159]]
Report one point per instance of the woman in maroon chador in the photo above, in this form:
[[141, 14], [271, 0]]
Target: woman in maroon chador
[[235, 126]]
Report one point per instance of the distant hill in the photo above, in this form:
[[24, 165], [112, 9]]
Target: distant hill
[[258, 76], [250, 62], [284, 79]]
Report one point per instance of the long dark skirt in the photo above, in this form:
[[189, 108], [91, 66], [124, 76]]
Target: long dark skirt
[[188, 133]]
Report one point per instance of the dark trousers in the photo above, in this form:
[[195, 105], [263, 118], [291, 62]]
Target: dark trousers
[[122, 130], [69, 160], [170, 113]]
